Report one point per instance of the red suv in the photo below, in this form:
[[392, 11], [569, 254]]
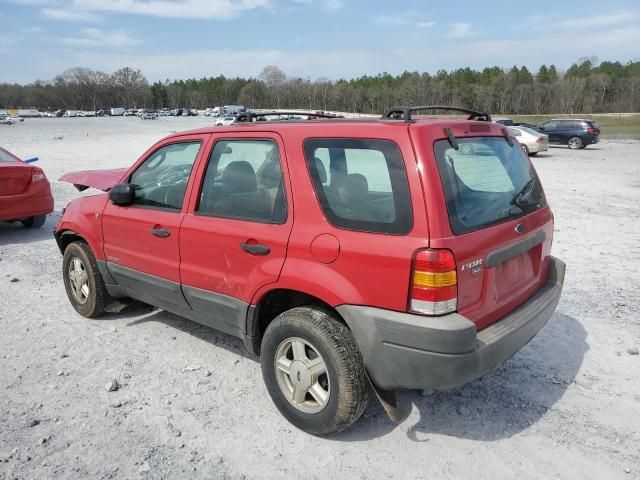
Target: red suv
[[393, 253]]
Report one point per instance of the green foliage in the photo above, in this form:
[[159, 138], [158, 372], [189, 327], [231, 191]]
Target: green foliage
[[586, 86]]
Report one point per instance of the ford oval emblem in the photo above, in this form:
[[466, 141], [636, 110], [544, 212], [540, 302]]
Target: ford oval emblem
[[519, 228]]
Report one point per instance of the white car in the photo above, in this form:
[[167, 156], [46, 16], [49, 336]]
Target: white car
[[532, 142], [130, 112], [225, 121]]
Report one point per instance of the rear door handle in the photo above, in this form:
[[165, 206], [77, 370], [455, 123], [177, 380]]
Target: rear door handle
[[159, 232], [255, 249]]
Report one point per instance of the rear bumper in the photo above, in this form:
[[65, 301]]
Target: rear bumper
[[402, 350], [27, 204]]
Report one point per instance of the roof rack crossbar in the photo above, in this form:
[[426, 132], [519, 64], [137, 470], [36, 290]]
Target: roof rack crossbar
[[251, 116], [404, 113]]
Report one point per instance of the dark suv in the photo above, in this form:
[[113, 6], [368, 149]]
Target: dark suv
[[572, 132]]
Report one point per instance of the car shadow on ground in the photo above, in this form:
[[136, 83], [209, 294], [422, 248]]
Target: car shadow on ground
[[498, 406], [201, 332], [13, 232]]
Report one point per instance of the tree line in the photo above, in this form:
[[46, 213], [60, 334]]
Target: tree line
[[586, 87]]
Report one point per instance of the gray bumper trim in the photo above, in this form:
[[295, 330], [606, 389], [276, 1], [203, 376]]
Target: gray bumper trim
[[401, 350]]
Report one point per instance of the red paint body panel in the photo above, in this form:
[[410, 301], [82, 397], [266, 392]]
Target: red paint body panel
[[20, 197], [100, 179], [370, 269], [211, 257]]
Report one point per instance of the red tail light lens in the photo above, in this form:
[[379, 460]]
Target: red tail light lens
[[592, 131], [434, 283], [37, 175], [540, 140]]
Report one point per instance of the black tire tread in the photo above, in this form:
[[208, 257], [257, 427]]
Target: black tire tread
[[101, 296], [355, 391]]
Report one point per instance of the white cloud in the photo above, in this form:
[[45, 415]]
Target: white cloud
[[587, 23], [328, 4], [69, 15], [94, 37], [199, 9], [405, 19], [460, 30]]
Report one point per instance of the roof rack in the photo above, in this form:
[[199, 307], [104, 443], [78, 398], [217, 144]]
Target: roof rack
[[247, 117], [404, 113]]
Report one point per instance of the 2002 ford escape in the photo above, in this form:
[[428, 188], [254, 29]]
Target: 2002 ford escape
[[414, 253]]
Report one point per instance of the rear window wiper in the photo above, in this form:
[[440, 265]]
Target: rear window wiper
[[523, 193]]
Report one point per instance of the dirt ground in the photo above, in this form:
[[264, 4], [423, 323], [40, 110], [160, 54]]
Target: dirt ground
[[192, 404]]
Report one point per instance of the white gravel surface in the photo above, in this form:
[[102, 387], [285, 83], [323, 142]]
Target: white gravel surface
[[189, 403]]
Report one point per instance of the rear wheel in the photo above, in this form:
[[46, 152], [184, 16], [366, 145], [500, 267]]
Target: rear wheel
[[83, 282], [574, 143], [313, 371], [525, 149], [34, 222]]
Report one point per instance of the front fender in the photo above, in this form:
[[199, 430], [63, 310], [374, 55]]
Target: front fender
[[83, 217]]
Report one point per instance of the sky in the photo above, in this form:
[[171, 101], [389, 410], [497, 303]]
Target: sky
[[180, 39]]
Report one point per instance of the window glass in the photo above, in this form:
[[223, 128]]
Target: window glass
[[361, 184], [486, 181], [244, 181], [161, 181], [6, 157]]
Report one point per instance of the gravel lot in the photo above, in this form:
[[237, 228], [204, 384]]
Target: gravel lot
[[191, 403]]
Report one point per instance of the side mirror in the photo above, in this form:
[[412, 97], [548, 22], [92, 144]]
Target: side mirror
[[541, 128], [122, 194]]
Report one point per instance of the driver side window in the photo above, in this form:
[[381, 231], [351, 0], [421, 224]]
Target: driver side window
[[161, 180]]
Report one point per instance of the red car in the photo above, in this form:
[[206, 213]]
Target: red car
[[25, 193], [397, 253]]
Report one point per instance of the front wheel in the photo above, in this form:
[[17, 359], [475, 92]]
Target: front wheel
[[313, 371], [34, 222], [83, 282], [574, 143], [533, 154]]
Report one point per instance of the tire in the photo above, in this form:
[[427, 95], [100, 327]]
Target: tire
[[525, 149], [34, 222], [322, 339], [533, 154], [574, 143], [91, 302]]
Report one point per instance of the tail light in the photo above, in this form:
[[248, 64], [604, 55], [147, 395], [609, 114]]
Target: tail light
[[37, 175], [540, 140], [592, 131], [434, 283]]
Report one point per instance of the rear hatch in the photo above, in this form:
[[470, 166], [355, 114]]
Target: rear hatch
[[502, 228], [15, 176]]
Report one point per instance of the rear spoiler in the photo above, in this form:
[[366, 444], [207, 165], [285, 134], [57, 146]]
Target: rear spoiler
[[100, 179]]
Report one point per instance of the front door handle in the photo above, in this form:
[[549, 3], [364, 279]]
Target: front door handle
[[159, 232], [255, 249]]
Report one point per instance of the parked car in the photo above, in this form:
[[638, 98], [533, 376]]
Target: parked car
[[572, 132], [10, 119], [532, 142], [310, 241], [222, 121], [25, 193], [131, 112], [148, 114], [504, 121]]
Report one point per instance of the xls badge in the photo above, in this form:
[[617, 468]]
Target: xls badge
[[475, 267]]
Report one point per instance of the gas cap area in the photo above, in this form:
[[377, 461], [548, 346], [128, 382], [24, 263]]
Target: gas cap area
[[325, 248]]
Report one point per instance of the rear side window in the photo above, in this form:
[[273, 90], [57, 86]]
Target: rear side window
[[486, 181], [6, 157], [361, 184]]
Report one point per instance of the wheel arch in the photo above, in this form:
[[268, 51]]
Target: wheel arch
[[271, 304]]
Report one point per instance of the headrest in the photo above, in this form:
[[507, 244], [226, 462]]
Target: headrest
[[239, 177], [322, 172], [354, 187]]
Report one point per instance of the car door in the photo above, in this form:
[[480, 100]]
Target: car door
[[233, 239], [551, 129], [141, 239]]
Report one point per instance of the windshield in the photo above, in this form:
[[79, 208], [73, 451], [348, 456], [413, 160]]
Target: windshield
[[529, 130], [486, 181]]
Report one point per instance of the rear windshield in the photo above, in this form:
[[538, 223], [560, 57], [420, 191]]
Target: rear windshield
[[486, 181], [6, 157]]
